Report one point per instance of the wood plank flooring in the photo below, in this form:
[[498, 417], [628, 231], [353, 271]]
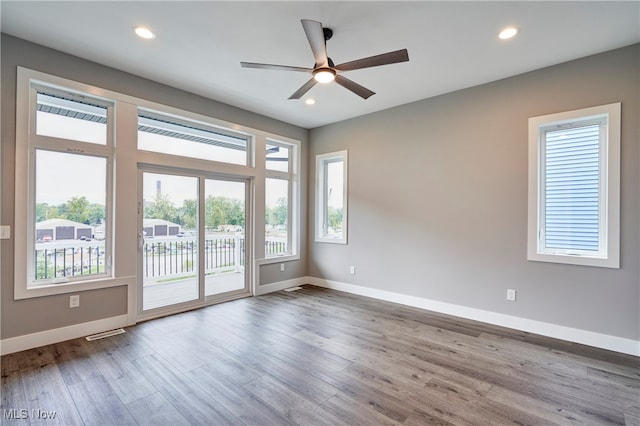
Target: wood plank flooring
[[319, 357]]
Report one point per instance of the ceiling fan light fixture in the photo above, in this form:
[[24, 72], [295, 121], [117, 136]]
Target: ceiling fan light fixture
[[324, 75]]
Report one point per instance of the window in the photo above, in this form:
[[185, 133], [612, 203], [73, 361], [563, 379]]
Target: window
[[68, 119], [158, 134], [280, 198], [68, 157], [277, 157], [78, 223], [331, 197], [574, 187]]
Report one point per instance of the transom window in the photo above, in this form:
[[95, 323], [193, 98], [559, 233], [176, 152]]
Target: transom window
[[159, 134], [70, 119]]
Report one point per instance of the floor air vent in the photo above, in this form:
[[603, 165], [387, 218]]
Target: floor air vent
[[293, 288], [105, 334]]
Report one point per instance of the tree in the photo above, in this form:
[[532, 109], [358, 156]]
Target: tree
[[78, 210], [162, 208], [189, 213], [44, 211], [235, 212], [215, 212], [223, 211], [96, 213], [335, 218], [278, 215]]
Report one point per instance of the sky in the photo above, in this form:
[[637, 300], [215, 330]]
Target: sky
[[61, 176], [180, 188]]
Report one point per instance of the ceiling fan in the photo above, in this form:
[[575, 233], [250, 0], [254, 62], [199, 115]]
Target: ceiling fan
[[324, 70]]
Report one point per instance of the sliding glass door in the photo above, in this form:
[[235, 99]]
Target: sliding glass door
[[192, 240], [224, 230]]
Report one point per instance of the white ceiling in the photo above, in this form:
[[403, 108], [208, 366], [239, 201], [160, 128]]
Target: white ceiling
[[200, 44]]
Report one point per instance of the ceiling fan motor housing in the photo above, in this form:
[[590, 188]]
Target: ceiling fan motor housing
[[328, 33]]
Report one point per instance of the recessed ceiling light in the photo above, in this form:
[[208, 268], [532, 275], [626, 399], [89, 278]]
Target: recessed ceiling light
[[144, 32], [310, 101], [507, 33]]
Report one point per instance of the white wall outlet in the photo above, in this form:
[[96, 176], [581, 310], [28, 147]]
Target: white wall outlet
[[74, 301], [282, 267], [5, 232], [352, 270], [511, 295]]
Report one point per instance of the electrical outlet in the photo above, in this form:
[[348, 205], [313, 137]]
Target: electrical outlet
[[282, 267], [511, 295], [5, 232], [74, 301], [352, 270]]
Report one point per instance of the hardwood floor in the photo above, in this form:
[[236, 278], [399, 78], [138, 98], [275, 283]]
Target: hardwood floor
[[319, 357]]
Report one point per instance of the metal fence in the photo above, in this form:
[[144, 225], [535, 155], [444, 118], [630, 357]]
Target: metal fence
[[174, 258], [161, 258], [58, 262]]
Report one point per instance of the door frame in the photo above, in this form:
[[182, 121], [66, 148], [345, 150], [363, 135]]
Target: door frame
[[202, 300]]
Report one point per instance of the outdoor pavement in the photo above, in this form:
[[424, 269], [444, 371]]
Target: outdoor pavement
[[156, 295]]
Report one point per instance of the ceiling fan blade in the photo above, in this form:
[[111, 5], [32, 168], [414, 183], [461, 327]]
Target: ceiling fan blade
[[361, 91], [274, 67], [304, 89], [374, 61], [315, 35]]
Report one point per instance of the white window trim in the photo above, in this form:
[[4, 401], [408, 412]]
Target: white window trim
[[25, 185], [294, 200], [320, 213], [610, 182]]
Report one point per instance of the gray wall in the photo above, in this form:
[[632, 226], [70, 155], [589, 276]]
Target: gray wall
[[34, 315], [438, 199]]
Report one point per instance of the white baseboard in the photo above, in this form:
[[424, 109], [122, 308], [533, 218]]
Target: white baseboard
[[604, 341], [598, 340], [281, 285], [48, 337]]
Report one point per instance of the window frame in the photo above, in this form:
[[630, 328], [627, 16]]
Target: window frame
[[608, 254], [321, 210], [293, 211], [27, 143]]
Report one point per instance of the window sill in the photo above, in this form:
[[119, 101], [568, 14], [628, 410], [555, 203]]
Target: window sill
[[277, 259], [331, 240], [74, 287], [566, 259]]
